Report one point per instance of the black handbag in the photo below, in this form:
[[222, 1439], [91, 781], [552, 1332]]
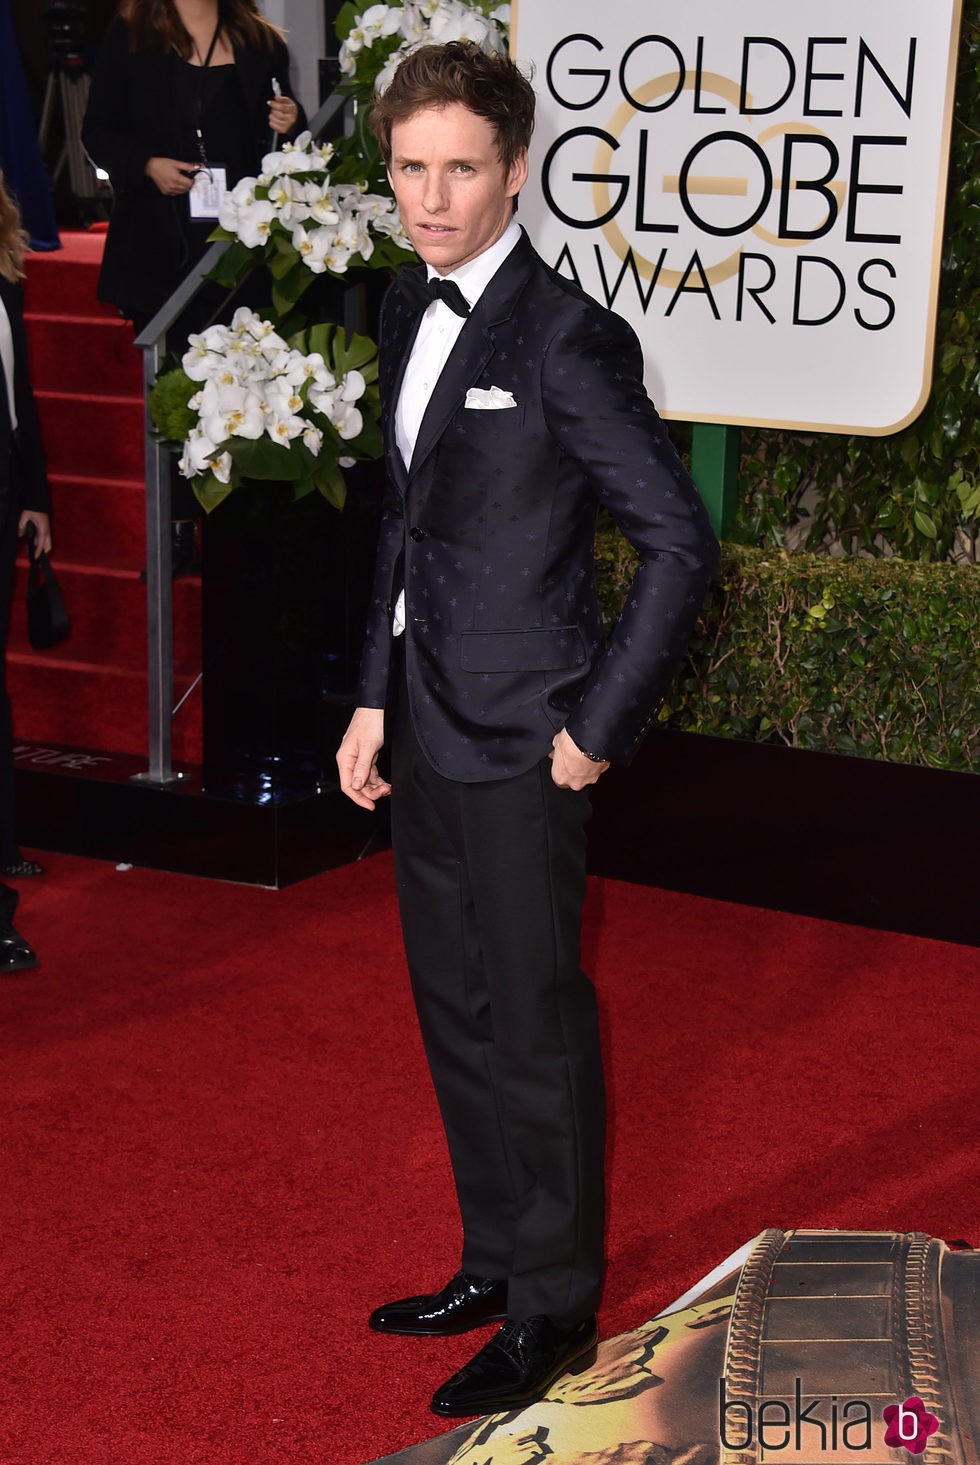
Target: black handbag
[[47, 618]]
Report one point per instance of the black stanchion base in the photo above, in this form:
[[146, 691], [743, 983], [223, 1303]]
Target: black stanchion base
[[87, 803]]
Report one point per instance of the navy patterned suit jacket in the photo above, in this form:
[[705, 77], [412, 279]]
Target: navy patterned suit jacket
[[492, 533]]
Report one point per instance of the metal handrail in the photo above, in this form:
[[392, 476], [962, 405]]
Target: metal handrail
[[152, 340]]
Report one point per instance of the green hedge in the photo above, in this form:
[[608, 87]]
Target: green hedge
[[915, 493], [876, 657]]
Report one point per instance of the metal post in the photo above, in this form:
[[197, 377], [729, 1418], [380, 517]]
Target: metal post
[[714, 468], [159, 592]]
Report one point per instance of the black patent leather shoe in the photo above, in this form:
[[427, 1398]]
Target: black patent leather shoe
[[517, 1366], [15, 954], [465, 1302]]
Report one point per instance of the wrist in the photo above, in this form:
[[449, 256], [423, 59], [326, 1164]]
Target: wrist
[[586, 752]]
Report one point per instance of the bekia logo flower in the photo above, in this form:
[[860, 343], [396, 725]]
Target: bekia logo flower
[[909, 1425]]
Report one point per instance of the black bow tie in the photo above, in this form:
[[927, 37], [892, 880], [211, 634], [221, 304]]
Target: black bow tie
[[421, 292]]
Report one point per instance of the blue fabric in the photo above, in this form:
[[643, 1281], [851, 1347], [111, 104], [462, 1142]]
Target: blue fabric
[[20, 153]]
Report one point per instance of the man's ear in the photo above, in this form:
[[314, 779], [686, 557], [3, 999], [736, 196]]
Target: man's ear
[[517, 177]]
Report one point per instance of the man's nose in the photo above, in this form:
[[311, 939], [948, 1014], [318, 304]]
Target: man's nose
[[435, 197]]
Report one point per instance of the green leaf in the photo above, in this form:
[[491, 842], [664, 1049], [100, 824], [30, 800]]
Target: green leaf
[[209, 492], [232, 265], [925, 524], [262, 458], [333, 486]]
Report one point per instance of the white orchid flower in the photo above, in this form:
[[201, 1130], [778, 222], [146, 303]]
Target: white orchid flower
[[282, 399], [386, 75], [288, 198], [255, 223], [198, 452], [303, 243], [264, 332], [347, 420], [221, 467], [310, 368], [323, 208], [412, 23], [200, 361], [283, 427], [237, 413], [352, 387], [313, 438], [242, 196], [321, 399]]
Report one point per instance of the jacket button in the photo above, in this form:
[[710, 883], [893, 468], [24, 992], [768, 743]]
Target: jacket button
[[417, 534]]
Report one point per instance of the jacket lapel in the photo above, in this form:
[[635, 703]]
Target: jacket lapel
[[474, 349], [400, 324]]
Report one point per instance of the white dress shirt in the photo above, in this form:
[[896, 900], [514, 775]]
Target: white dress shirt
[[7, 358], [437, 334]]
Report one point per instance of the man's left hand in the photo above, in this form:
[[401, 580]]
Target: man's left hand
[[569, 766]]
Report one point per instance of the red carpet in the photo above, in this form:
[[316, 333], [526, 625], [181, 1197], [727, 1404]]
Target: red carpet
[[91, 690], [222, 1150]]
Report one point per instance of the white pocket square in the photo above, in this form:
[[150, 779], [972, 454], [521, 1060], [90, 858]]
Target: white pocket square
[[488, 401]]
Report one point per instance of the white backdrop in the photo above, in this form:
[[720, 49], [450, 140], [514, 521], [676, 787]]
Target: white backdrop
[[302, 20], [758, 187]]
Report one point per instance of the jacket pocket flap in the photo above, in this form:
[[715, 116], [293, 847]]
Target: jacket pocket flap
[[546, 648]]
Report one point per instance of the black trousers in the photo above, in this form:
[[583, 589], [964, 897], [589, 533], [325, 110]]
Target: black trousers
[[491, 880]]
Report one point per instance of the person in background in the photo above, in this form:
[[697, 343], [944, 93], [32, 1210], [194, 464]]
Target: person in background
[[187, 97], [24, 500], [513, 407]]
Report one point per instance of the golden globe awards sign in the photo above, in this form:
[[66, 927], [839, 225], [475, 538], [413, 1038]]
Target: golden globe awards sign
[[757, 187]]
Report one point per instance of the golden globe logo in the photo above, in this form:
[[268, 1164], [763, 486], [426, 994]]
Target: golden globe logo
[[768, 187]]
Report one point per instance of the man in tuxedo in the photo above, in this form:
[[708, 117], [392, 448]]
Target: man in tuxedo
[[513, 408]]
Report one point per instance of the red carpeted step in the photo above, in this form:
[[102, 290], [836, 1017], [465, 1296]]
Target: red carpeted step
[[57, 284], [85, 705], [93, 434], [99, 521], [75, 354], [108, 616], [88, 380]]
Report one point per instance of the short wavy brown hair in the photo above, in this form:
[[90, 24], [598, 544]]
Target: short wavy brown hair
[[492, 86]]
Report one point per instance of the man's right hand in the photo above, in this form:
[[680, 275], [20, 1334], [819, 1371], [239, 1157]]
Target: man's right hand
[[170, 176], [357, 758]]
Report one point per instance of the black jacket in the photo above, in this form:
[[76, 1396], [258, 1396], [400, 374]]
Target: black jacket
[[23, 477], [133, 115], [492, 530]]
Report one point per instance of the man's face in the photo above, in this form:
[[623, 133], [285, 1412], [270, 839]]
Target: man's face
[[454, 194]]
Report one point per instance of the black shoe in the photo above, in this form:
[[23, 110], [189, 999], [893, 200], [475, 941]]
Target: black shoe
[[517, 1366], [20, 869], [465, 1302], [15, 954]]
